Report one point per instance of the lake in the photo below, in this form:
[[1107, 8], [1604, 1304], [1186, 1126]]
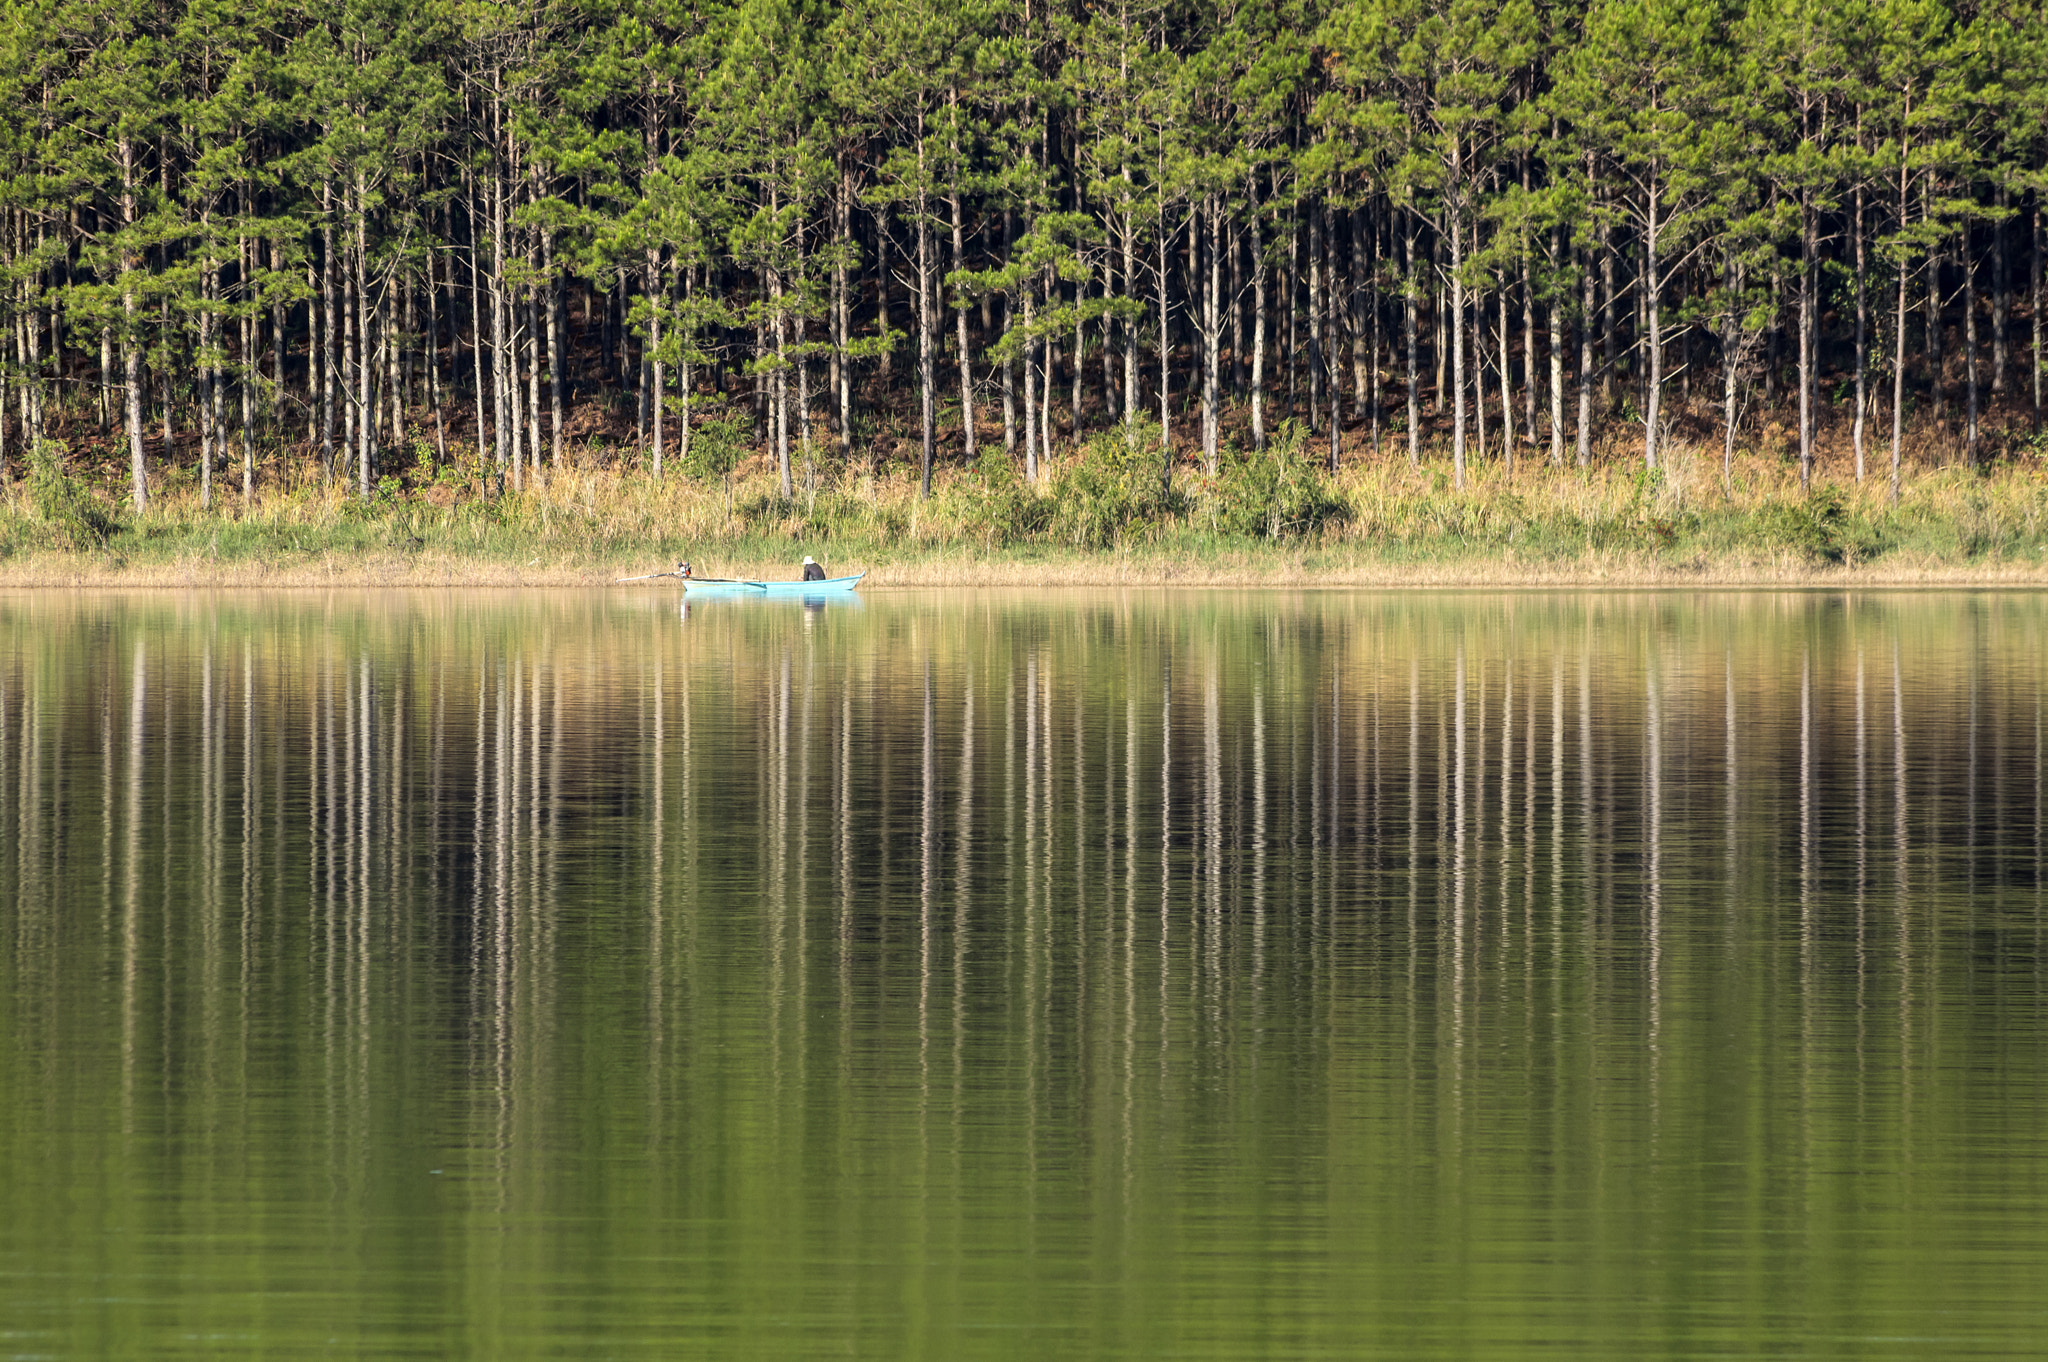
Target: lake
[[1161, 974]]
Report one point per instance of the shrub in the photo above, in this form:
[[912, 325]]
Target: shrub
[[1000, 508], [1110, 490], [719, 439], [72, 512], [1277, 494], [1820, 527]]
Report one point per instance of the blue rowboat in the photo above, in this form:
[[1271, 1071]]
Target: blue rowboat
[[739, 587]]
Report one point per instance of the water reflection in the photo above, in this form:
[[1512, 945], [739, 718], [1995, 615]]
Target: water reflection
[[1306, 973], [813, 608]]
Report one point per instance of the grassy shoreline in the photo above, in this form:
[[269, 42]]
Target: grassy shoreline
[[1266, 521], [428, 571]]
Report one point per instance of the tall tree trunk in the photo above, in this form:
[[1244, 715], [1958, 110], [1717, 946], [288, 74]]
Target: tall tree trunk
[[1862, 333], [347, 383], [1507, 397], [1332, 313], [1970, 342], [1074, 369], [1936, 367], [1529, 379], [433, 352], [657, 304], [405, 338], [249, 369], [927, 378], [779, 381], [1554, 310], [1133, 381], [163, 381], [215, 398], [209, 293], [1316, 353], [1731, 370], [1165, 354], [550, 294], [1050, 362], [611, 366], [1212, 335], [1899, 330], [1110, 415], [486, 448], [131, 312], [1376, 308], [685, 389], [1608, 343], [803, 375], [1457, 325], [1410, 302], [1354, 310], [1809, 266], [1477, 302], [1998, 291], [502, 422], [842, 362], [1899, 352], [1259, 309], [883, 280], [397, 374], [1653, 310], [533, 361], [1588, 284], [1030, 387], [1290, 293], [1410, 298], [366, 326], [1235, 251], [35, 343], [1010, 359], [966, 358], [2034, 294], [277, 333], [312, 354]]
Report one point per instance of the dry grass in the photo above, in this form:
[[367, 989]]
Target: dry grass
[[1609, 525]]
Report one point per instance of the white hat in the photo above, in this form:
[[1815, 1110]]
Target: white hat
[[807, 560]]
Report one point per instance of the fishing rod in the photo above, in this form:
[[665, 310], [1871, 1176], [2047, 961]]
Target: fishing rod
[[682, 570]]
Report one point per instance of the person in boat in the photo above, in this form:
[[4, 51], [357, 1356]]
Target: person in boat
[[812, 572], [682, 570]]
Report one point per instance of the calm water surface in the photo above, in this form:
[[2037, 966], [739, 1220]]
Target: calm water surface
[[1020, 975]]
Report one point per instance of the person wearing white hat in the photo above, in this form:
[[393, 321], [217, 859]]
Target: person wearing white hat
[[812, 572]]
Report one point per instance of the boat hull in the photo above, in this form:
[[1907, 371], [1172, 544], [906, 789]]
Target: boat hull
[[831, 586]]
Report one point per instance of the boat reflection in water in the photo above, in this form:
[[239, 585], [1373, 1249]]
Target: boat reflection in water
[[813, 603]]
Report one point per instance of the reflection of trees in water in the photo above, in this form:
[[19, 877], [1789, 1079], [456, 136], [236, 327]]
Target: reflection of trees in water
[[1112, 879]]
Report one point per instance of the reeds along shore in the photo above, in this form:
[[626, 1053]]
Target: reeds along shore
[[1104, 510]]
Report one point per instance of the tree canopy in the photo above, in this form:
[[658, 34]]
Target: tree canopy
[[344, 233]]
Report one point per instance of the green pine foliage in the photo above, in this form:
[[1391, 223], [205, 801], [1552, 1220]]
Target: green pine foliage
[[1104, 267]]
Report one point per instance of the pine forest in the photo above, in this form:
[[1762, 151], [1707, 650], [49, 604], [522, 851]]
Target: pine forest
[[280, 244]]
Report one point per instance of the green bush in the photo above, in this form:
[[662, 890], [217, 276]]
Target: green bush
[[1820, 528], [1280, 493], [719, 439], [999, 507], [1111, 491], [71, 512]]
